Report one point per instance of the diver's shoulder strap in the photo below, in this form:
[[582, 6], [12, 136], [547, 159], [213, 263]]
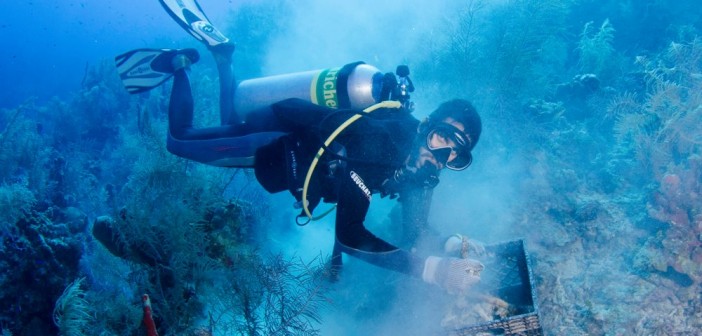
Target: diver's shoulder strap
[[327, 142]]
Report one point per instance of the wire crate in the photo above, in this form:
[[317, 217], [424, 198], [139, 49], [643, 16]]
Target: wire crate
[[507, 276]]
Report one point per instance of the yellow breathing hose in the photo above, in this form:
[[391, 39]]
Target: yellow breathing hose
[[320, 152]]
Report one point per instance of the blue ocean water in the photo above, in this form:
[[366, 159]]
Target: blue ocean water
[[590, 154]]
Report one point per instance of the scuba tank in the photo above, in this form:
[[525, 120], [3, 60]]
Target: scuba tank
[[356, 85]]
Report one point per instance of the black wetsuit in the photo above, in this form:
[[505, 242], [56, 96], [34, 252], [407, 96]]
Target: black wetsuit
[[376, 146]]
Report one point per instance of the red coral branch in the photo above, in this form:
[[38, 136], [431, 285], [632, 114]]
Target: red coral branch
[[148, 318]]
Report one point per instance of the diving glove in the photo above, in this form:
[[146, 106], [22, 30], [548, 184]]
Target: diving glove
[[460, 245], [454, 275]]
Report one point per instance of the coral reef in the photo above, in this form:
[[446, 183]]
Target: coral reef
[[655, 144], [39, 253], [677, 203]]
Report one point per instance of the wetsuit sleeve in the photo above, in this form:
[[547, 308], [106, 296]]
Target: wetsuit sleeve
[[415, 204], [354, 239]]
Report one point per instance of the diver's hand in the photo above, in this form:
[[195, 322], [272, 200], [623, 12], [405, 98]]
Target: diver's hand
[[460, 245], [454, 275]]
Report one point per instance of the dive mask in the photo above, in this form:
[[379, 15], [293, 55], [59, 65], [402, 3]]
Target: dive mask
[[454, 141]]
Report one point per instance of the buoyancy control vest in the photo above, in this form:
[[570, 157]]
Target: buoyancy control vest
[[287, 162]]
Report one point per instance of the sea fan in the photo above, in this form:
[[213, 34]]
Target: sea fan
[[595, 47], [71, 312]]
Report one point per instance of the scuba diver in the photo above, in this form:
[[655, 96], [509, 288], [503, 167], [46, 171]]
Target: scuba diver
[[325, 137]]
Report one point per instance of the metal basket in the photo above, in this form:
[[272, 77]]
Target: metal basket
[[507, 276]]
